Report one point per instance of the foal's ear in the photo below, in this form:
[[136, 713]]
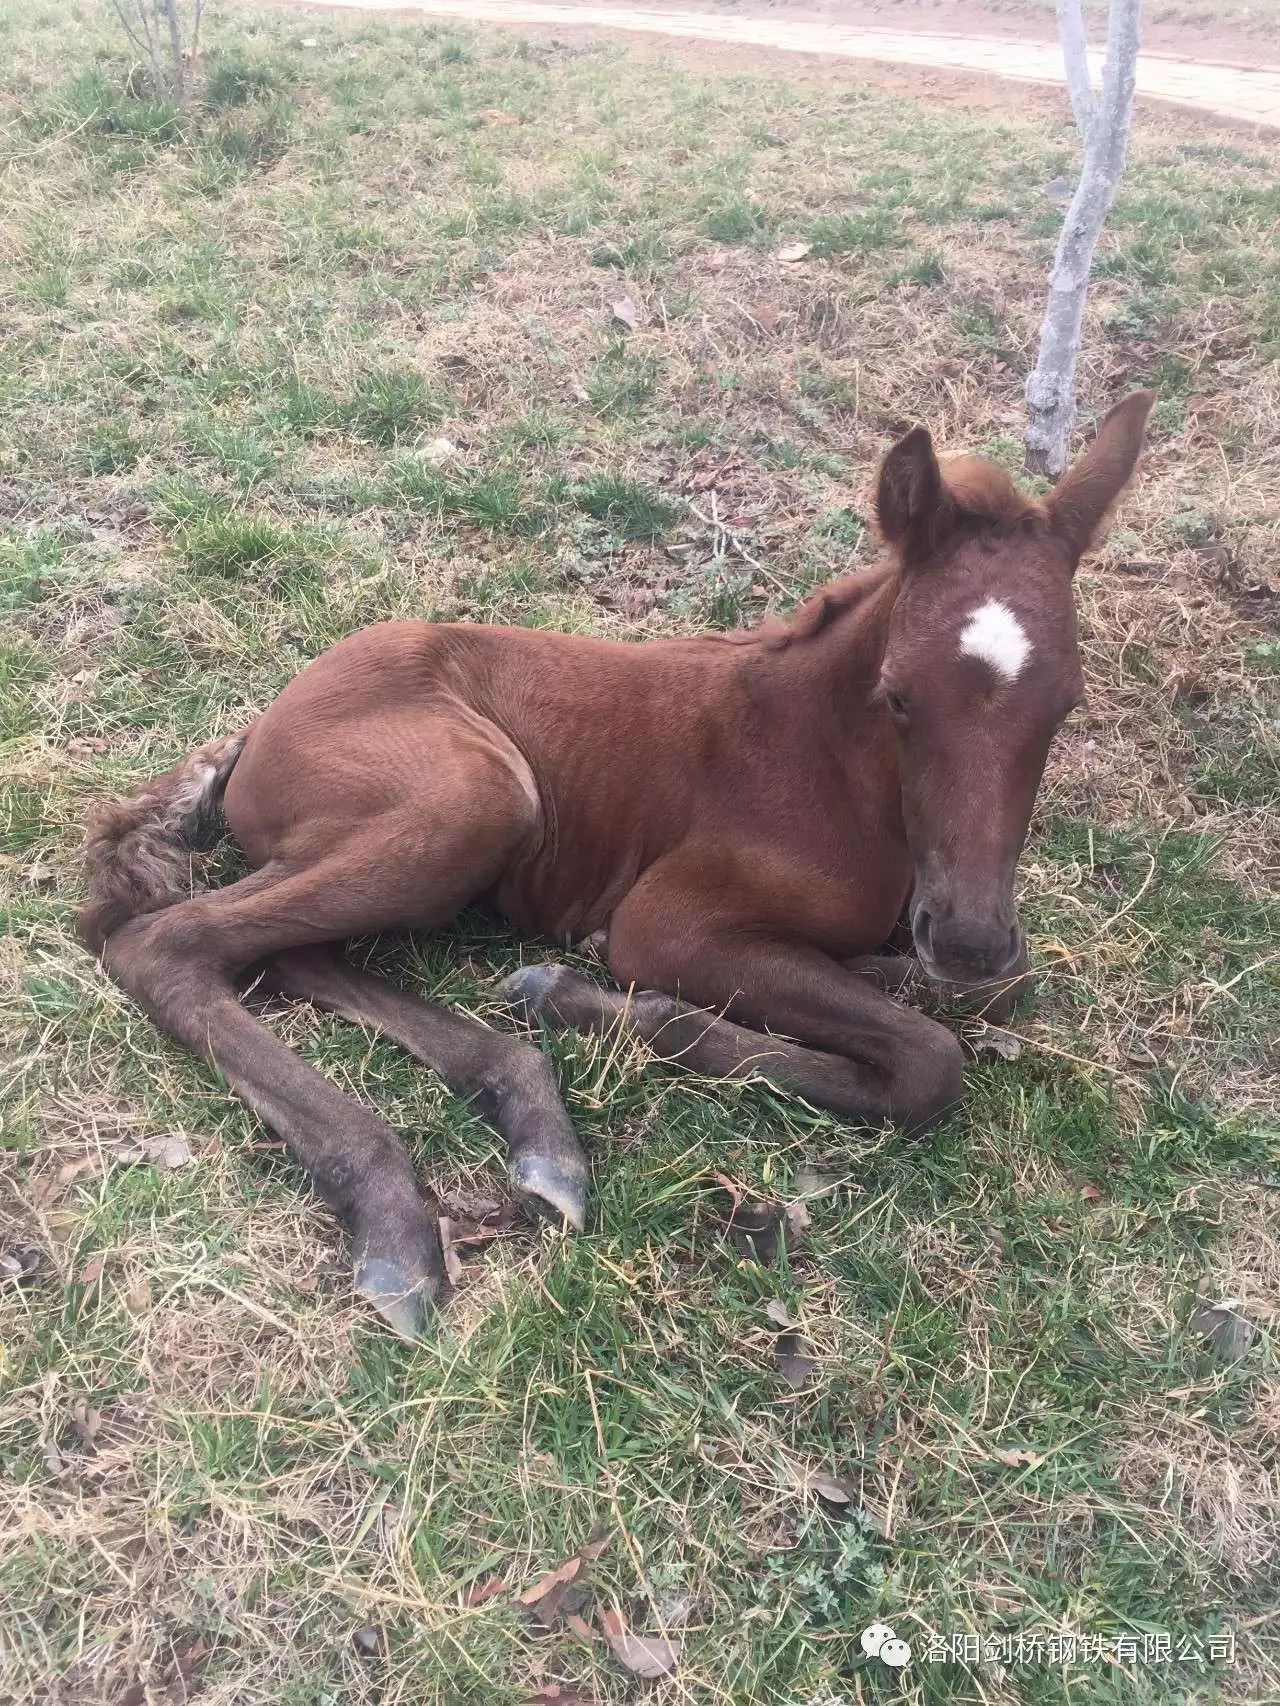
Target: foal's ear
[[1078, 504], [913, 506]]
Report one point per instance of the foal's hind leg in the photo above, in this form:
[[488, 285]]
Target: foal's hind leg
[[181, 965], [513, 1082]]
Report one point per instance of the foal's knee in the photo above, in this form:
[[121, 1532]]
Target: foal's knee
[[928, 1079], [164, 970], [136, 958]]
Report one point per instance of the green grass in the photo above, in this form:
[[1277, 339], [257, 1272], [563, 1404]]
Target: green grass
[[386, 407], [626, 507], [334, 347]]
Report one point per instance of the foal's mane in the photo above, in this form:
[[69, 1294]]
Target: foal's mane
[[985, 497]]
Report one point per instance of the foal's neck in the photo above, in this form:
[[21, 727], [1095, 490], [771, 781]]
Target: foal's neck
[[830, 654]]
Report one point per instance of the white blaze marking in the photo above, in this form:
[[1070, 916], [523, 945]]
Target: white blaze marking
[[994, 634]]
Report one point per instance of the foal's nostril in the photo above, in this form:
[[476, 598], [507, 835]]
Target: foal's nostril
[[922, 929]]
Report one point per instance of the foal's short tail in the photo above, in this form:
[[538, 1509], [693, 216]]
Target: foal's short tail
[[138, 851]]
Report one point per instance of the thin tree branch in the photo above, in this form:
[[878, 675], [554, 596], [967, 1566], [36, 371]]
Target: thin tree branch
[[174, 20], [1051, 389], [154, 28], [1075, 57]]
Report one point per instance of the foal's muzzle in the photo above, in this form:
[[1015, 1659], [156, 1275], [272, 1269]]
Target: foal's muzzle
[[960, 947]]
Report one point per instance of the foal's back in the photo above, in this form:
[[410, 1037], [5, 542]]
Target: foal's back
[[616, 752]]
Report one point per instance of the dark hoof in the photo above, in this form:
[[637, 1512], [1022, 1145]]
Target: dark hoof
[[530, 987], [405, 1301], [556, 1191]]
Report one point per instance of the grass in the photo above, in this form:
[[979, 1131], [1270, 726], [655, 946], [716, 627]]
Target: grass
[[339, 346]]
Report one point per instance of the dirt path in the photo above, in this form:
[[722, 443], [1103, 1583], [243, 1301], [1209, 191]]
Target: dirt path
[[1244, 93]]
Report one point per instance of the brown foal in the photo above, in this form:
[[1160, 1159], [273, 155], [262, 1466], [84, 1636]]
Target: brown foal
[[744, 814]]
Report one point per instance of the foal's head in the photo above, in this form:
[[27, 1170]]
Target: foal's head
[[980, 668]]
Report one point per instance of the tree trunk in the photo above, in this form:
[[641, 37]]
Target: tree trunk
[[1051, 389], [178, 89], [1076, 59]]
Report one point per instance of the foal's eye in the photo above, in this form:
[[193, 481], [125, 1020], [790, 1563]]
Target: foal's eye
[[897, 705]]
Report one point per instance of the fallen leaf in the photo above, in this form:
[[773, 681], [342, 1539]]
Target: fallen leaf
[[460, 1207], [560, 1590], [1224, 1327], [726, 1184], [794, 251], [1016, 1457], [717, 260], [798, 1221], [626, 312], [1003, 1044], [439, 452], [831, 1487], [369, 1641], [580, 1627], [753, 1226], [86, 1422], [495, 115], [1090, 1193], [137, 1298], [91, 1272], [814, 1181], [72, 1170], [482, 1591], [556, 1694], [547, 1592], [754, 1230], [386, 1529], [452, 1261], [20, 1264], [794, 1365], [171, 1150], [765, 316], [643, 1655], [778, 1312]]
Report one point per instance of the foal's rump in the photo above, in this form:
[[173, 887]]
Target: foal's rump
[[377, 743], [372, 749]]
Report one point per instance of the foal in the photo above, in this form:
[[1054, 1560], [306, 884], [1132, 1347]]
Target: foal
[[742, 813]]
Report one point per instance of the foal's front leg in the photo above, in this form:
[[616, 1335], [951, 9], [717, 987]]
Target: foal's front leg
[[862, 1054], [692, 1037]]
